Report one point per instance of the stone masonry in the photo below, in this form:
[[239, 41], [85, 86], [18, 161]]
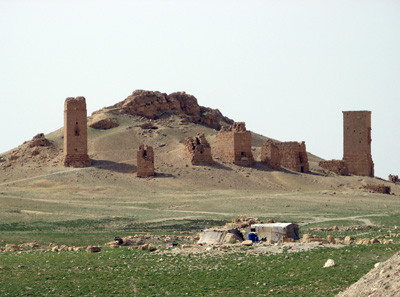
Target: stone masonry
[[270, 155], [234, 144], [198, 150], [145, 161], [294, 156], [336, 166], [357, 142], [75, 133], [393, 178]]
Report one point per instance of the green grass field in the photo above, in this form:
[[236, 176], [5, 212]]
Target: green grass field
[[124, 272]]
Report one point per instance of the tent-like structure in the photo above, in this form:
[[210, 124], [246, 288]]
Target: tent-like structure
[[220, 236], [275, 231]]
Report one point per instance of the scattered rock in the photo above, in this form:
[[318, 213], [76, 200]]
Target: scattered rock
[[331, 239], [329, 263], [12, 247], [348, 240], [247, 243]]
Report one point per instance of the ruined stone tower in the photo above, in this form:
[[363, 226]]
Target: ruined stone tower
[[145, 161], [270, 155], [357, 142], [234, 143], [198, 150], [294, 156], [75, 133]]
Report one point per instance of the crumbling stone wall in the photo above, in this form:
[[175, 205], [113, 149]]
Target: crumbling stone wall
[[393, 178], [75, 133], [270, 155], [234, 144], [378, 188], [357, 142], [294, 156], [336, 166], [145, 161], [198, 150]]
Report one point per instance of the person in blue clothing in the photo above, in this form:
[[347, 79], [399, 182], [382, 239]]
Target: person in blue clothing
[[253, 236]]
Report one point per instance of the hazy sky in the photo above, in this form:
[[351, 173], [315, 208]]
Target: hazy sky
[[286, 68]]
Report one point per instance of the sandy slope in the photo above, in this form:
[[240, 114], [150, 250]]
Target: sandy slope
[[381, 281]]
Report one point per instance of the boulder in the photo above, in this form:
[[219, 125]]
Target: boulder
[[104, 124], [329, 263], [247, 243], [93, 249]]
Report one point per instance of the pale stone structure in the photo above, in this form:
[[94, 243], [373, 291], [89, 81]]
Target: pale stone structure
[[234, 143], [294, 156], [145, 161], [357, 142], [270, 155], [198, 150], [75, 133]]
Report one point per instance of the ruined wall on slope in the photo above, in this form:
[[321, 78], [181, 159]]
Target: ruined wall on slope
[[336, 166], [270, 155]]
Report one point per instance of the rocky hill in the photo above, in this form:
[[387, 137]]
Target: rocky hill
[[155, 105]]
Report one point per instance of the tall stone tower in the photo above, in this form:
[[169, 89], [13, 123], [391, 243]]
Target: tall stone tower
[[75, 133], [357, 142], [145, 161]]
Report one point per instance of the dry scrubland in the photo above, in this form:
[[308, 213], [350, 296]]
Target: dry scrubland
[[42, 201]]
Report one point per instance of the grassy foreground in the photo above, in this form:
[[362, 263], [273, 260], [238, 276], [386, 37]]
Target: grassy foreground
[[124, 272]]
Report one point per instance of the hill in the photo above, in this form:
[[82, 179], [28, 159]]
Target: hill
[[34, 170]]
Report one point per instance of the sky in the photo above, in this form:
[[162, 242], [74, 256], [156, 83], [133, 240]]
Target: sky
[[286, 68]]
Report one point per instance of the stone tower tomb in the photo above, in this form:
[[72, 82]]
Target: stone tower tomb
[[357, 142], [294, 156], [145, 161], [75, 133], [198, 150], [234, 143]]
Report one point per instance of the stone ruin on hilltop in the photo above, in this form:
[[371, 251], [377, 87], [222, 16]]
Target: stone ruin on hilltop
[[154, 105], [198, 150], [39, 140], [234, 143]]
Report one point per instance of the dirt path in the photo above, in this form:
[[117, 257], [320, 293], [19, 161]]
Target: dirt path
[[361, 218]]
